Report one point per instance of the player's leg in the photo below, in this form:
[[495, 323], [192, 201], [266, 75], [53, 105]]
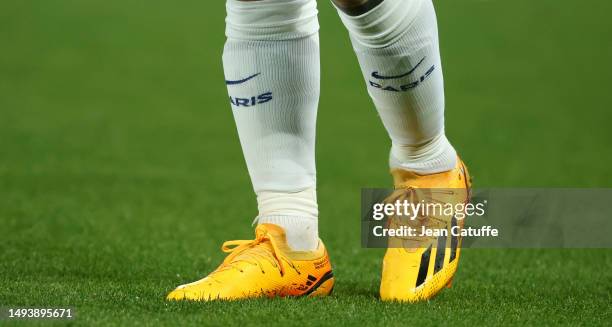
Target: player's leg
[[396, 42], [276, 45], [271, 64]]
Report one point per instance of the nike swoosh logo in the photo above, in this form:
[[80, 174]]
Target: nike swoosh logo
[[240, 81], [376, 75]]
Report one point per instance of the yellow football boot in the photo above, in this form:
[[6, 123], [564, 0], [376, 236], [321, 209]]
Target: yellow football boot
[[265, 266], [417, 268]]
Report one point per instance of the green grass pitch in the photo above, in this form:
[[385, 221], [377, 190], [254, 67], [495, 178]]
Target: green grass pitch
[[121, 172]]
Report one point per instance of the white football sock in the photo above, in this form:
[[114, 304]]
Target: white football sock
[[396, 44], [271, 64]]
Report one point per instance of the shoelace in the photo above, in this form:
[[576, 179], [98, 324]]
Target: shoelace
[[254, 255]]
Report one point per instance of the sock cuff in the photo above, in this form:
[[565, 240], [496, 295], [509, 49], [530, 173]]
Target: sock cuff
[[435, 156], [271, 20], [302, 232], [382, 25]]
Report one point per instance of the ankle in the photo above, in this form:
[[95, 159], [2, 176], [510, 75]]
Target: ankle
[[433, 156], [296, 212]]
